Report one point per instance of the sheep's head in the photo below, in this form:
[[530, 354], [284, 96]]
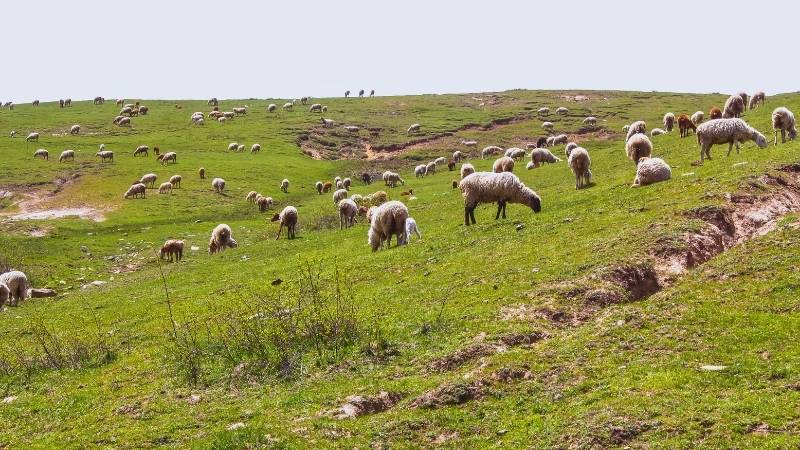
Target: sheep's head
[[761, 141], [276, 217], [232, 243], [793, 133]]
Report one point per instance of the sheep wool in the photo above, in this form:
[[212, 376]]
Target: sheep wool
[[580, 163], [651, 170], [540, 156], [221, 238], [136, 190], [503, 164], [636, 128], [347, 213], [726, 131], [467, 169], [783, 122], [387, 220], [17, 283], [637, 147], [490, 187], [287, 218]]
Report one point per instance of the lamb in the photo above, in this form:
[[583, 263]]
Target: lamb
[[75, 129], [287, 218], [136, 190], [651, 170], [560, 139], [548, 126], [202, 172], [142, 150], [412, 228], [488, 187], [458, 156], [240, 148], [503, 164], [165, 188], [255, 148], [105, 155], [387, 220], [515, 153], [733, 107], [327, 186], [327, 123], [544, 111], [148, 180], [263, 203], [743, 96], [490, 150], [467, 169], [684, 124], [569, 148], [319, 187], [346, 183], [33, 137], [288, 106], [715, 113], [757, 99], [591, 121], [669, 121], [783, 121], [17, 284], [169, 156], [285, 185], [42, 153], [637, 147], [394, 178], [219, 185], [581, 164], [540, 156], [221, 238], [657, 132], [171, 248], [272, 107], [233, 146], [697, 118], [251, 196], [414, 128], [67, 155], [176, 181], [420, 171], [636, 127], [347, 213], [730, 131]]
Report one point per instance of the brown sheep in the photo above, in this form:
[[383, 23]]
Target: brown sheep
[[455, 184], [715, 113], [684, 124], [202, 173], [407, 193], [451, 165], [327, 186], [172, 248]]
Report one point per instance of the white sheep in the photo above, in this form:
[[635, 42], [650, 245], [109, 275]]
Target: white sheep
[[387, 220], [240, 111], [218, 184], [657, 132], [327, 123], [221, 238], [42, 153], [472, 144], [591, 121], [569, 147], [503, 188], [347, 213], [458, 156], [651, 170], [581, 164], [67, 155], [318, 185], [240, 148], [136, 190], [440, 161], [105, 155], [540, 156], [544, 111], [233, 146], [515, 153], [285, 185], [562, 111], [734, 107], [394, 178], [412, 228], [697, 117], [288, 218], [351, 128], [75, 129], [316, 107], [339, 195], [165, 188], [467, 169], [636, 128], [726, 131], [490, 150], [124, 121], [783, 121], [637, 147], [13, 133], [668, 121], [414, 128], [272, 107], [169, 156], [346, 183], [288, 106], [263, 202], [17, 284], [757, 99], [255, 148], [548, 126], [33, 137], [420, 171], [148, 180], [560, 139]]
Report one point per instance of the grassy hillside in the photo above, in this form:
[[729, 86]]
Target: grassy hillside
[[523, 332]]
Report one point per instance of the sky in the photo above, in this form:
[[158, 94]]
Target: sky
[[176, 49]]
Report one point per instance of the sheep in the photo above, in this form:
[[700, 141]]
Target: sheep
[[393, 178], [458, 156], [285, 186], [124, 121], [240, 148], [263, 203], [560, 139], [366, 178], [13, 133], [387, 220], [346, 94], [783, 121], [684, 124], [743, 96], [540, 156], [626, 128], [288, 106], [171, 248], [221, 238], [42, 153], [440, 161], [562, 111], [636, 127], [319, 187], [733, 107], [33, 137], [240, 111], [697, 118], [541, 142], [430, 168], [213, 101], [378, 198], [75, 129], [148, 180], [669, 121], [591, 121], [126, 110], [202, 172], [451, 165], [467, 169], [135, 191], [544, 111], [651, 170], [412, 228], [337, 181], [17, 284], [327, 123], [67, 155], [233, 146], [569, 147], [221, 119], [229, 115], [251, 196], [488, 187], [143, 110], [548, 126], [165, 188], [176, 181], [730, 131], [105, 155], [218, 184], [757, 99], [347, 213], [420, 171], [142, 150], [169, 156], [657, 132], [372, 93], [490, 150], [714, 113], [637, 147], [351, 128], [255, 148], [361, 93], [316, 107], [346, 183], [470, 144], [581, 164], [515, 153], [503, 164], [327, 186], [414, 128], [272, 107], [5, 293], [324, 108], [549, 141], [287, 218]]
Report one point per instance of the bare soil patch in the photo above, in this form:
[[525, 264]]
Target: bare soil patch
[[358, 405]]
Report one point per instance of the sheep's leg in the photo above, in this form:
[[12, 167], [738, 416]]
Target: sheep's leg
[[776, 137], [466, 215], [730, 147], [279, 231], [499, 208], [783, 136]]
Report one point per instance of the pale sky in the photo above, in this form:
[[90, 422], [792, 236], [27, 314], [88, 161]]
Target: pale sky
[[172, 49]]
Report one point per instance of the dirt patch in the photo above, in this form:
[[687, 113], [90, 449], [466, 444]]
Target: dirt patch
[[460, 357], [34, 206], [451, 394], [357, 405], [83, 213], [510, 374], [516, 339]]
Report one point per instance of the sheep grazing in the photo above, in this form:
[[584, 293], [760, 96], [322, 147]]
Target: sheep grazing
[[35, 103], [412, 228], [651, 170], [327, 186], [251, 196], [13, 134], [669, 121], [233, 146], [351, 129], [581, 164], [366, 178], [515, 153], [490, 151], [590, 121], [239, 111], [75, 129], [255, 148], [440, 161], [726, 131], [288, 106], [165, 188], [324, 108], [346, 183], [272, 107], [105, 155], [229, 115], [393, 178], [420, 171], [143, 110], [387, 220], [347, 213], [319, 187], [733, 107], [715, 113], [327, 123], [544, 111], [540, 156], [288, 219], [142, 150], [685, 124], [470, 144], [33, 137], [218, 184], [657, 132], [430, 168], [136, 190], [169, 156], [221, 238], [316, 107], [176, 181], [783, 121], [638, 127], [221, 119], [148, 180], [240, 148], [547, 126], [549, 141], [5, 293], [467, 169], [570, 147], [451, 165], [284, 186], [743, 96], [17, 284], [213, 101], [414, 128], [541, 142], [458, 156], [562, 111], [172, 248], [263, 203], [697, 118], [123, 121], [202, 172], [637, 147], [503, 188], [757, 99], [560, 139], [42, 153], [67, 155]]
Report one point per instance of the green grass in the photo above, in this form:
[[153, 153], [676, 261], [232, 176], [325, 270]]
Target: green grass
[[631, 370]]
